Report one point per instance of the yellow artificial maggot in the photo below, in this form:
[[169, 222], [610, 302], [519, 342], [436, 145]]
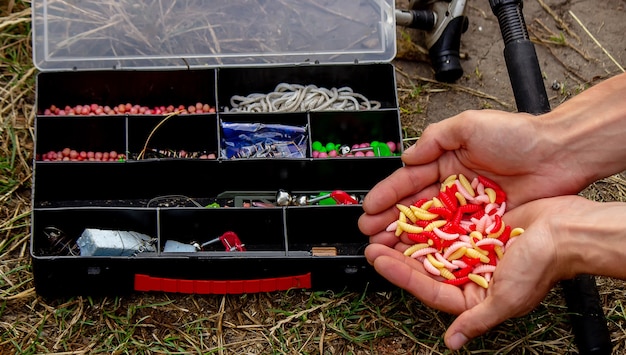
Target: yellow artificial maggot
[[499, 251], [410, 228], [449, 181], [479, 280], [435, 224], [498, 232], [516, 232], [415, 247], [491, 193], [422, 214], [472, 253], [426, 205], [436, 263], [437, 202], [407, 212], [466, 185], [457, 254], [459, 196], [446, 273], [476, 235]]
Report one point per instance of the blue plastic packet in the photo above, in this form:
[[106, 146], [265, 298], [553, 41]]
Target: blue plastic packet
[[259, 140]]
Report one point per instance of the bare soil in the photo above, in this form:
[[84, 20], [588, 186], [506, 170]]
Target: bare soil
[[297, 322], [569, 58]]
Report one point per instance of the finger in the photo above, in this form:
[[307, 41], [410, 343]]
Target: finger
[[409, 274], [401, 184], [387, 238], [377, 223], [371, 224], [474, 322], [374, 251]]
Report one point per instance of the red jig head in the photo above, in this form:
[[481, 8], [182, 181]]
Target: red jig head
[[229, 240]]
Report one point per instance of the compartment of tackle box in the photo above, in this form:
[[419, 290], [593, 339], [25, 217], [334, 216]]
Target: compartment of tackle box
[[152, 175]]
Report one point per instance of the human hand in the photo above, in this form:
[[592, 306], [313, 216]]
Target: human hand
[[529, 269], [531, 157], [514, 150]]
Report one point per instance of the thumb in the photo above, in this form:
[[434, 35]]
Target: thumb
[[436, 139], [472, 323]]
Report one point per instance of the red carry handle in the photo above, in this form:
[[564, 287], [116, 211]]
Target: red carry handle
[[220, 287]]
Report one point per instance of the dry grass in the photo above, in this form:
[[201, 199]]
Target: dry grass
[[280, 323]]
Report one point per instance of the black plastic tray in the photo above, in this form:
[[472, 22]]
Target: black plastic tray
[[160, 196]]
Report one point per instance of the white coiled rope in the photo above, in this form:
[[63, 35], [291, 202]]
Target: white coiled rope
[[295, 97]]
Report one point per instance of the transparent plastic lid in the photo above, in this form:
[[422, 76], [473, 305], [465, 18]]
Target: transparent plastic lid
[[132, 34]]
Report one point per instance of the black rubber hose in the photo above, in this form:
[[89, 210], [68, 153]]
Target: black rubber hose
[[581, 295]]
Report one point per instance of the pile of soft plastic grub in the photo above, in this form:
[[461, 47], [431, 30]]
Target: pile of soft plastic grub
[[459, 235]]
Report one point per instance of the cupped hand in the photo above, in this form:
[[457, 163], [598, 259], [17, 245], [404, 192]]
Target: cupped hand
[[526, 273], [515, 150]]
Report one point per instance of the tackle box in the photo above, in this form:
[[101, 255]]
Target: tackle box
[[167, 179]]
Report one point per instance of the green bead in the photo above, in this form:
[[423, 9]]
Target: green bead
[[322, 149], [383, 150], [326, 201], [330, 146], [317, 145]]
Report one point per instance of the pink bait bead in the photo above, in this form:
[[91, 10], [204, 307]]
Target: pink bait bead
[[359, 154], [392, 146], [364, 145], [323, 155], [315, 154], [369, 153], [332, 154]]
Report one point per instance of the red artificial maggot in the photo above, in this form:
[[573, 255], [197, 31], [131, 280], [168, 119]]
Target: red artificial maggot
[[447, 201], [470, 261], [478, 214], [487, 182], [422, 223], [458, 282], [493, 257], [506, 234], [420, 202], [452, 227], [419, 237], [470, 208], [462, 272], [497, 224], [500, 196], [441, 211]]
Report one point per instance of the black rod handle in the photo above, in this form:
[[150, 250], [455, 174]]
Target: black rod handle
[[587, 316], [520, 57], [523, 67], [581, 295]]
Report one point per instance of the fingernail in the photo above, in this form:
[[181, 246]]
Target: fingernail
[[456, 341]]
